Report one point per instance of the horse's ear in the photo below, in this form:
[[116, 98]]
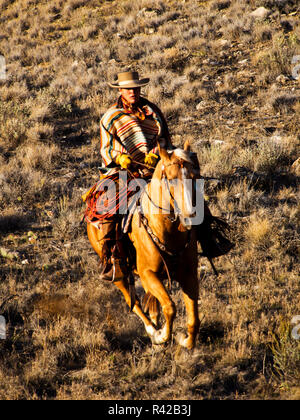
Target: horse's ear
[[164, 155], [187, 146]]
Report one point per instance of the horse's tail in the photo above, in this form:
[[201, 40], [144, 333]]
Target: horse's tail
[[131, 291], [149, 303]]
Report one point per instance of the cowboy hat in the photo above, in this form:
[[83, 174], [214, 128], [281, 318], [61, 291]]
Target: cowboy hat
[[129, 79]]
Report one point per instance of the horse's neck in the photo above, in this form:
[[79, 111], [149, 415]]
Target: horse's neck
[[157, 207], [161, 221], [157, 200]]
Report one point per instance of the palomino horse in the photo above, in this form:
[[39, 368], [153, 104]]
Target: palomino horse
[[172, 233]]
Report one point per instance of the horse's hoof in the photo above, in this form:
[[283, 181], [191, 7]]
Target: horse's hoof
[[158, 336], [150, 329], [185, 342]]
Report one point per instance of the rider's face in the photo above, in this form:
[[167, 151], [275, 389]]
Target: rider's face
[[131, 95]]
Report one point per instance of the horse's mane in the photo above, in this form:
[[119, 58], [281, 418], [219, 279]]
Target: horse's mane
[[182, 154]]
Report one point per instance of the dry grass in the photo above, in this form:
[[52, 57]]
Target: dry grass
[[223, 80]]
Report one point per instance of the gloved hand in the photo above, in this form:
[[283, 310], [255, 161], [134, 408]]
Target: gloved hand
[[151, 159], [123, 160]]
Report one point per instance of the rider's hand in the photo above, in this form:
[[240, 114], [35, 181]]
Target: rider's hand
[[151, 159], [123, 160]]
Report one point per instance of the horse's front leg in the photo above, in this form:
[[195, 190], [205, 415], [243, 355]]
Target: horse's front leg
[[152, 284], [190, 295], [190, 288]]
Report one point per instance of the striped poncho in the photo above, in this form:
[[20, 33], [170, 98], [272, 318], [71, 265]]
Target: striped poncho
[[122, 131]]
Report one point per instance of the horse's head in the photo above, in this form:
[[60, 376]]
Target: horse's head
[[179, 170]]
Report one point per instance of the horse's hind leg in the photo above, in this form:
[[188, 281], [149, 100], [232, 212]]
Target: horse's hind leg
[[123, 286]]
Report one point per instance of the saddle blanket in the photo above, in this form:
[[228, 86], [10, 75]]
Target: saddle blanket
[[109, 198]]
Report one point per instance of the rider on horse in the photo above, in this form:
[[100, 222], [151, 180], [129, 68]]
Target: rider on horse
[[129, 132]]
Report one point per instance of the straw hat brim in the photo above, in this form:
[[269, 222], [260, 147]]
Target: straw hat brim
[[130, 84]]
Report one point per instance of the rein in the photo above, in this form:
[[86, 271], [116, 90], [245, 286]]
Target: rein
[[149, 198]]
